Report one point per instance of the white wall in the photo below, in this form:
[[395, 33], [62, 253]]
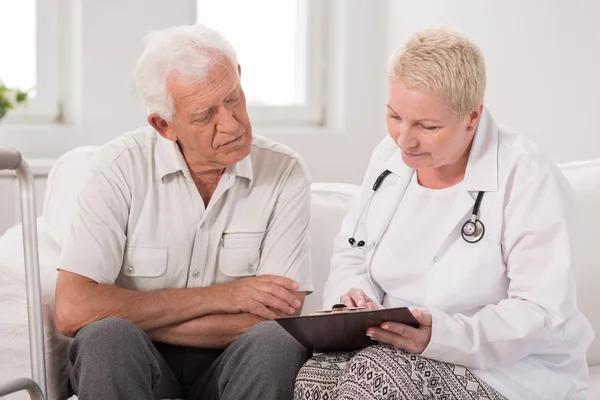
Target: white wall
[[543, 62]]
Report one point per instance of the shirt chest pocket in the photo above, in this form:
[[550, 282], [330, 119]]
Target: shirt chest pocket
[[239, 254], [144, 268]]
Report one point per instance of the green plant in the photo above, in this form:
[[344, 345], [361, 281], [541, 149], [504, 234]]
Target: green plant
[[10, 98]]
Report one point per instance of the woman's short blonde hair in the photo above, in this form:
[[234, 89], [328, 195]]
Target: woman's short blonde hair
[[444, 62]]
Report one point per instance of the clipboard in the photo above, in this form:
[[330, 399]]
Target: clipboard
[[324, 333]]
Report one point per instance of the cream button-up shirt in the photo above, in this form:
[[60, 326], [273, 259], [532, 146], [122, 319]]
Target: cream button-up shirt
[[141, 223]]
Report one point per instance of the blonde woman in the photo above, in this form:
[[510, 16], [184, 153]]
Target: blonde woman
[[468, 225]]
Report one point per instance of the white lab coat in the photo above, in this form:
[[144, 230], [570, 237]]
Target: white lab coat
[[504, 307]]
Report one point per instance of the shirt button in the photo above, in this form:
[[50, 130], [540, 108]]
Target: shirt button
[[435, 259], [196, 273], [130, 270]]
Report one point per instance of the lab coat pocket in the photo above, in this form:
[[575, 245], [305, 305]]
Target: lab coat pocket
[[468, 275], [144, 268], [239, 254]]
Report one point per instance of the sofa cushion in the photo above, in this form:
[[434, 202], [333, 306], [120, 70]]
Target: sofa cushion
[[594, 383], [584, 178], [65, 180], [329, 204]]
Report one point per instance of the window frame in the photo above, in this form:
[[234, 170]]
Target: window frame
[[311, 114], [45, 107]]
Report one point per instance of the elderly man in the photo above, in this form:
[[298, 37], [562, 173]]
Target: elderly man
[[190, 237]]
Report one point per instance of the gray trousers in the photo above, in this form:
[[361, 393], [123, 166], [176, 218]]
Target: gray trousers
[[115, 359]]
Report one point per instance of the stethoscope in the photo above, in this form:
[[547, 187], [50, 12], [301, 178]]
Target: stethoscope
[[472, 230]]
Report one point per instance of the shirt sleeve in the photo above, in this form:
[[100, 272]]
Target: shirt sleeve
[[286, 248], [97, 235], [537, 246]]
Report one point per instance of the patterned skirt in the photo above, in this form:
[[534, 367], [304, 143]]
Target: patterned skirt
[[383, 372]]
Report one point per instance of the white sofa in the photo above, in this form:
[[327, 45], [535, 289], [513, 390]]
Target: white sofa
[[329, 204]]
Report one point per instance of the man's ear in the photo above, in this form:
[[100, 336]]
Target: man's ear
[[162, 126]]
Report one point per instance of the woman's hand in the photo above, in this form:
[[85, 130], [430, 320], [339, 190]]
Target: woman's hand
[[401, 336], [357, 298]]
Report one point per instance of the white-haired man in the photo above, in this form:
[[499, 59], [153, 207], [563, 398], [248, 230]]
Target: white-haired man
[[190, 237]]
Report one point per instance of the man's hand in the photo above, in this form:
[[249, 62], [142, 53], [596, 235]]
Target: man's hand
[[401, 336], [357, 298], [265, 296]]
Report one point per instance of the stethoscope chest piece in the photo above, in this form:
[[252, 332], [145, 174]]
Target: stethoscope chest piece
[[473, 230]]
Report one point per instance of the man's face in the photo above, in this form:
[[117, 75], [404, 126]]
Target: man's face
[[210, 120]]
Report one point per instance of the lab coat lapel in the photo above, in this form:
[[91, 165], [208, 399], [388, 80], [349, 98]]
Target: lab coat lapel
[[392, 189], [461, 210], [481, 175]]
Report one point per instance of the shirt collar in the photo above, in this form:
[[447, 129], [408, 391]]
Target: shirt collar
[[168, 157], [169, 160], [243, 168]]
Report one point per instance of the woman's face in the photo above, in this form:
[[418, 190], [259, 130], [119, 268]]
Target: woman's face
[[428, 133]]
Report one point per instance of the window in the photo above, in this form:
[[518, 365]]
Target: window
[[279, 48], [28, 42], [17, 30]]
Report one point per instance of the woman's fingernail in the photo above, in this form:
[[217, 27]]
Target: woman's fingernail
[[370, 333], [385, 326], [359, 303], [295, 285]]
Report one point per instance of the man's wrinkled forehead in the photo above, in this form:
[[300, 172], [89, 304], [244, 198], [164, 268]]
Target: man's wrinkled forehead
[[200, 110]]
